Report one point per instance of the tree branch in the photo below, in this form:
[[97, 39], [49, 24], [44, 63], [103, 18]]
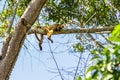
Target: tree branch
[[8, 34], [18, 38], [81, 30], [13, 17]]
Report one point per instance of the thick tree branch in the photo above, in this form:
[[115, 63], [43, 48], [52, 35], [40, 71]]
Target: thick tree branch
[[81, 30], [18, 38], [8, 34]]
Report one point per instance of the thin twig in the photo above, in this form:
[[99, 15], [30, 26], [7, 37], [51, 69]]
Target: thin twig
[[97, 42], [107, 39], [12, 20], [55, 61], [77, 65], [4, 5], [85, 66], [114, 7], [90, 18]]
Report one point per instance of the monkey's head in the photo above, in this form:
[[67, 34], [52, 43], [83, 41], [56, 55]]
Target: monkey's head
[[39, 29]]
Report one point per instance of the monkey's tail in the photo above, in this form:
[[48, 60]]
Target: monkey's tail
[[40, 46]]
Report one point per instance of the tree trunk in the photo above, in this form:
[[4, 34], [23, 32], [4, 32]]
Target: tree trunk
[[18, 38]]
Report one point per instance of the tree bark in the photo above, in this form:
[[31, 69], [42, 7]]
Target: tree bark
[[18, 38]]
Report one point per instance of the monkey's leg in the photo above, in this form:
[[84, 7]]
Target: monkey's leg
[[41, 41], [49, 35]]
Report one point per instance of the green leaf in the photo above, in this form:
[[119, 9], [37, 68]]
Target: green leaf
[[115, 34], [116, 30], [78, 47], [90, 69], [79, 78], [109, 67], [115, 39], [108, 77], [96, 57], [95, 74]]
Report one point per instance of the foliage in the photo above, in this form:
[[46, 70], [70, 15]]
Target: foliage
[[78, 47], [116, 4], [7, 13], [3, 28], [82, 10], [116, 34], [107, 61], [79, 78], [22, 6], [107, 64]]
